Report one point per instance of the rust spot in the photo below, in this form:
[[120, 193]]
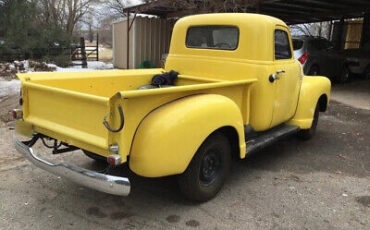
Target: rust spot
[[95, 211], [192, 223], [173, 218], [364, 200], [120, 215]]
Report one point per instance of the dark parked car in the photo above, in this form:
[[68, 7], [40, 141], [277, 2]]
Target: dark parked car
[[318, 57], [360, 61]]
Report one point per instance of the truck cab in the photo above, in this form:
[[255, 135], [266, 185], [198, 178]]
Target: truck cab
[[252, 46], [234, 88]]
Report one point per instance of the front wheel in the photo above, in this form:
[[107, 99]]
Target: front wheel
[[344, 75], [306, 134], [314, 71], [208, 169], [366, 74]]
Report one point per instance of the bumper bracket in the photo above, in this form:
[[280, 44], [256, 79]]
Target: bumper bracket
[[102, 182]]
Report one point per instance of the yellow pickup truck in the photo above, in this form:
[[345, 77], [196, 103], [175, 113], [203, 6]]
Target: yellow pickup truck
[[230, 87]]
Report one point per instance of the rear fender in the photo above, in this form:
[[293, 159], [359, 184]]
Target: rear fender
[[168, 137], [313, 90]]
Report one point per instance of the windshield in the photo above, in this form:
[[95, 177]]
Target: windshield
[[297, 44], [322, 44], [213, 37]]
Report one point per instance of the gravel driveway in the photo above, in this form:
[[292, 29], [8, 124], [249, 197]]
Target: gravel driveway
[[319, 184]]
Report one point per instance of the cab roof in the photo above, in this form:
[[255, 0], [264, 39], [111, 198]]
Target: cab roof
[[256, 35], [230, 18]]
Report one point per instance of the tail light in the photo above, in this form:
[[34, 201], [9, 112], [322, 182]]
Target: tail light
[[303, 58], [114, 159], [17, 114], [20, 99]]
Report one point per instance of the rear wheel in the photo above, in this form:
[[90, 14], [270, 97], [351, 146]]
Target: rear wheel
[[95, 156], [208, 169], [306, 134]]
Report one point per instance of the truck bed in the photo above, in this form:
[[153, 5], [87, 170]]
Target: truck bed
[[71, 106]]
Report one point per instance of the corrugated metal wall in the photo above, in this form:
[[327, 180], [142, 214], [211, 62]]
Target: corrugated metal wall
[[149, 39]]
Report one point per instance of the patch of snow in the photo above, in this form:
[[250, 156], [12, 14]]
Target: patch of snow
[[90, 48], [12, 87], [9, 87], [91, 65]]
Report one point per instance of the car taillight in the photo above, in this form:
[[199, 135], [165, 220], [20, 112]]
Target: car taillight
[[303, 58], [20, 99], [17, 114]]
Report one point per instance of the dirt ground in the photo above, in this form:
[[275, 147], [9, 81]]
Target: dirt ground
[[323, 183]]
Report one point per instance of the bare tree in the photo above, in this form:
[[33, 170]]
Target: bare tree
[[302, 29], [66, 13], [320, 29], [118, 6]]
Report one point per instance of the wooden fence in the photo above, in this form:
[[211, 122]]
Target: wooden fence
[[79, 52], [85, 53]]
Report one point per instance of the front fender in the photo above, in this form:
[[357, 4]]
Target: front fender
[[168, 137], [312, 89]]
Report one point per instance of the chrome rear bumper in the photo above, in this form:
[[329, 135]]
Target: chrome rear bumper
[[102, 182]]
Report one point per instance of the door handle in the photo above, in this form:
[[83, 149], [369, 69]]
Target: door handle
[[280, 71], [273, 77]]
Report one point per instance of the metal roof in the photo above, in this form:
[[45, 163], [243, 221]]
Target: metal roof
[[291, 11]]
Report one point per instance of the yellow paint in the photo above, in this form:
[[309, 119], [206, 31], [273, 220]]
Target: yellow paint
[[254, 58], [168, 138], [311, 90], [70, 106], [23, 128], [164, 127], [287, 88]]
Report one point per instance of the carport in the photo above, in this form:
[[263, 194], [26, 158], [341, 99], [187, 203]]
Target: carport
[[291, 11]]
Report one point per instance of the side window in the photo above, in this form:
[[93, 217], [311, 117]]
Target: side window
[[282, 45]]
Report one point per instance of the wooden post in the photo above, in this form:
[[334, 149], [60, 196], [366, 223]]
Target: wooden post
[[128, 39], [258, 6], [340, 33], [365, 35], [83, 52], [97, 46], [330, 32]]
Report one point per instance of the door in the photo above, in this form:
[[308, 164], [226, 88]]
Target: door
[[286, 78]]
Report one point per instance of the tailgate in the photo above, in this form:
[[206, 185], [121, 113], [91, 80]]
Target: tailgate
[[72, 117]]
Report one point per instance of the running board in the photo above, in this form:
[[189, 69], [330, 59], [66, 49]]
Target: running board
[[268, 137]]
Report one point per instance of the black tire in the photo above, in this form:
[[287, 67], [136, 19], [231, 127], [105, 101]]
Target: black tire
[[306, 134], [208, 169], [95, 157], [344, 75], [366, 74], [314, 70]]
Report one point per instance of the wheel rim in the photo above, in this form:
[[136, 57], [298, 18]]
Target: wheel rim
[[314, 71], [367, 75], [345, 75], [210, 168]]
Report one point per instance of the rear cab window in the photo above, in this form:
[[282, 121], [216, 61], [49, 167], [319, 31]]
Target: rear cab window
[[282, 45], [213, 37]]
